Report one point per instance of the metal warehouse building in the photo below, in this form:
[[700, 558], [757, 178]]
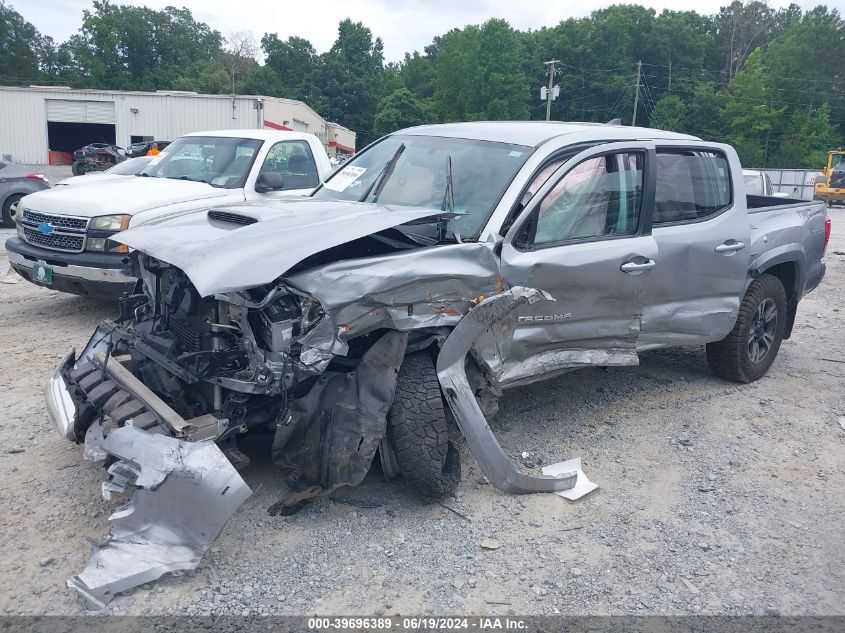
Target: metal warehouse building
[[36, 121]]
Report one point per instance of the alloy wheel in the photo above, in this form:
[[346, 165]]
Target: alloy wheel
[[762, 335]]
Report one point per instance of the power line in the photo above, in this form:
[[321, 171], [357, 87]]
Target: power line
[[719, 72], [727, 84]]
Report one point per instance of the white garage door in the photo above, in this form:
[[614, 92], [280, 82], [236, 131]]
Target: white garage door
[[299, 126], [66, 111]]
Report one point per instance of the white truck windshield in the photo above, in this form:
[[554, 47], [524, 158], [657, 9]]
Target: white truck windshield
[[219, 161]]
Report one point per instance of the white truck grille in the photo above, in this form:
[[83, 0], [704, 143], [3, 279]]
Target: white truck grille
[[56, 232]]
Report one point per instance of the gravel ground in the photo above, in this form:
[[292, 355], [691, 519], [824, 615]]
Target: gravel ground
[[714, 498]]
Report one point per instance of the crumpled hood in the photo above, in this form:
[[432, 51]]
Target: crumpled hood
[[221, 256], [123, 195]]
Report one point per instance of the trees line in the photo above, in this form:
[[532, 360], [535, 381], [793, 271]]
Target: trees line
[[767, 81]]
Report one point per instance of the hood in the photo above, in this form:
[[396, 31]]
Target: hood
[[89, 179], [124, 195], [221, 256]]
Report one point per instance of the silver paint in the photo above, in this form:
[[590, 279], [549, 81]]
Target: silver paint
[[185, 492], [495, 313]]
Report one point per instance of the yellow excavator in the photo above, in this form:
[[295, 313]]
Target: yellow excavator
[[831, 188]]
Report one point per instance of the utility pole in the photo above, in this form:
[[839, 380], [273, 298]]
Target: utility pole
[[550, 92], [637, 93]]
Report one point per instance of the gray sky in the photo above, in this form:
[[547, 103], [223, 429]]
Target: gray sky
[[403, 25]]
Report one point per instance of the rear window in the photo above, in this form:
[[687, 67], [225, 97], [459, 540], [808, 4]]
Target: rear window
[[691, 185]]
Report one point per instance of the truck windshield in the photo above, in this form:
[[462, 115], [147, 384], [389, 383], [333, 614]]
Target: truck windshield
[[219, 161], [423, 171]]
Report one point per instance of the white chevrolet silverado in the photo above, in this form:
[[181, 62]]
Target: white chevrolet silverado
[[64, 238]]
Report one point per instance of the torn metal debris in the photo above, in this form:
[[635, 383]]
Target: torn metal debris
[[184, 493], [493, 314]]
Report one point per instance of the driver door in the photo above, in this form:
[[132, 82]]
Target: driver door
[[584, 238], [293, 161]]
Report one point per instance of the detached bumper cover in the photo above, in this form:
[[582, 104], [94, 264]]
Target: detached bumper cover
[[185, 493]]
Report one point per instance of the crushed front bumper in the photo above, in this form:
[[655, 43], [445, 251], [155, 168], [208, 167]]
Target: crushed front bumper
[[184, 491]]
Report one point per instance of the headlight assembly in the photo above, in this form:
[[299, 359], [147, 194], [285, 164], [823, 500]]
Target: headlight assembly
[[109, 223], [103, 244]]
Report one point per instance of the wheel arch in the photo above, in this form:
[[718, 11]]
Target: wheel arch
[[788, 267]]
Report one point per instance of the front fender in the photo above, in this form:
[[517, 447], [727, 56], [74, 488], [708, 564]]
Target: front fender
[[494, 312]]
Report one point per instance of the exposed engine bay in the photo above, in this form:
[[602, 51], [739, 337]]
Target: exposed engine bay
[[236, 363]]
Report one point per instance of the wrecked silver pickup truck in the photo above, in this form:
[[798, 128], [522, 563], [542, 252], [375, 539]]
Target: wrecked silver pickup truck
[[439, 266]]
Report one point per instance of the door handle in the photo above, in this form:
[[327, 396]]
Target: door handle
[[729, 246], [633, 267]]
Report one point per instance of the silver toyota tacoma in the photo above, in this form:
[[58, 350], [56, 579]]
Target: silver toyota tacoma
[[439, 266]]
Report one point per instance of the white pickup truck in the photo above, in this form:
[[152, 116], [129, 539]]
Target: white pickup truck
[[64, 237]]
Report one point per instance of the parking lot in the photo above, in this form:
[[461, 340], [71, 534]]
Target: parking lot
[[714, 497]]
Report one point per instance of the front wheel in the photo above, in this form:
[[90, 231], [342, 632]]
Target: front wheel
[[746, 354], [418, 432]]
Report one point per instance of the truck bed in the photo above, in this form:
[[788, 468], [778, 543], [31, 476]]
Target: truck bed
[[784, 226]]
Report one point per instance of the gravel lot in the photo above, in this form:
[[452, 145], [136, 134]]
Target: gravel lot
[[714, 497]]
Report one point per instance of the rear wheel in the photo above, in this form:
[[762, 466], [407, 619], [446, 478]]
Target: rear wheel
[[746, 354], [418, 431], [77, 168], [11, 208]]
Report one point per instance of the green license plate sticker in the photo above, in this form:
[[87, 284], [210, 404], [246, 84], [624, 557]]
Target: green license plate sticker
[[42, 274]]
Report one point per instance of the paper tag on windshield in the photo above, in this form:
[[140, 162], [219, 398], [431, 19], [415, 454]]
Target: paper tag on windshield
[[344, 178]]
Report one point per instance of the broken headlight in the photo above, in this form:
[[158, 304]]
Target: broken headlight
[[312, 313]]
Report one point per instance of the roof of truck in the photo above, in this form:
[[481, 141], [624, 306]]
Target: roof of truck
[[535, 133], [262, 135]]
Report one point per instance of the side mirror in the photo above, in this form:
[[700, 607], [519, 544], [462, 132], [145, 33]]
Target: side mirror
[[269, 181]]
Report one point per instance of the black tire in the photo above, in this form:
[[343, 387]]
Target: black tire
[[746, 354], [77, 168], [418, 431], [8, 214]]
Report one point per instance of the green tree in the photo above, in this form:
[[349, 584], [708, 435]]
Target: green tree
[[670, 113], [398, 110], [752, 117], [289, 67], [807, 140], [19, 46], [137, 48], [479, 74], [348, 79]]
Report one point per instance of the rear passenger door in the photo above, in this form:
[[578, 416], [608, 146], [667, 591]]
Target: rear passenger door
[[583, 238], [702, 231]]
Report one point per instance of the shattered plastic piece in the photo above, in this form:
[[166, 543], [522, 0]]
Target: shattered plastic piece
[[93, 450], [451, 371], [185, 493], [582, 485]]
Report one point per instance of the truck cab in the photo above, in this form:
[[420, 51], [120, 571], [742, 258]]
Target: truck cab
[[64, 239]]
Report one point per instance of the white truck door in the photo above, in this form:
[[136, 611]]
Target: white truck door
[[702, 230], [294, 161]]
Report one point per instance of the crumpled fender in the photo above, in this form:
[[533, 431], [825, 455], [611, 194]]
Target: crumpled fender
[[495, 464]]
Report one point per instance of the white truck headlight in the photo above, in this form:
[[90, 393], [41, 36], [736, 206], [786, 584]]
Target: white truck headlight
[[106, 245], [109, 223]]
